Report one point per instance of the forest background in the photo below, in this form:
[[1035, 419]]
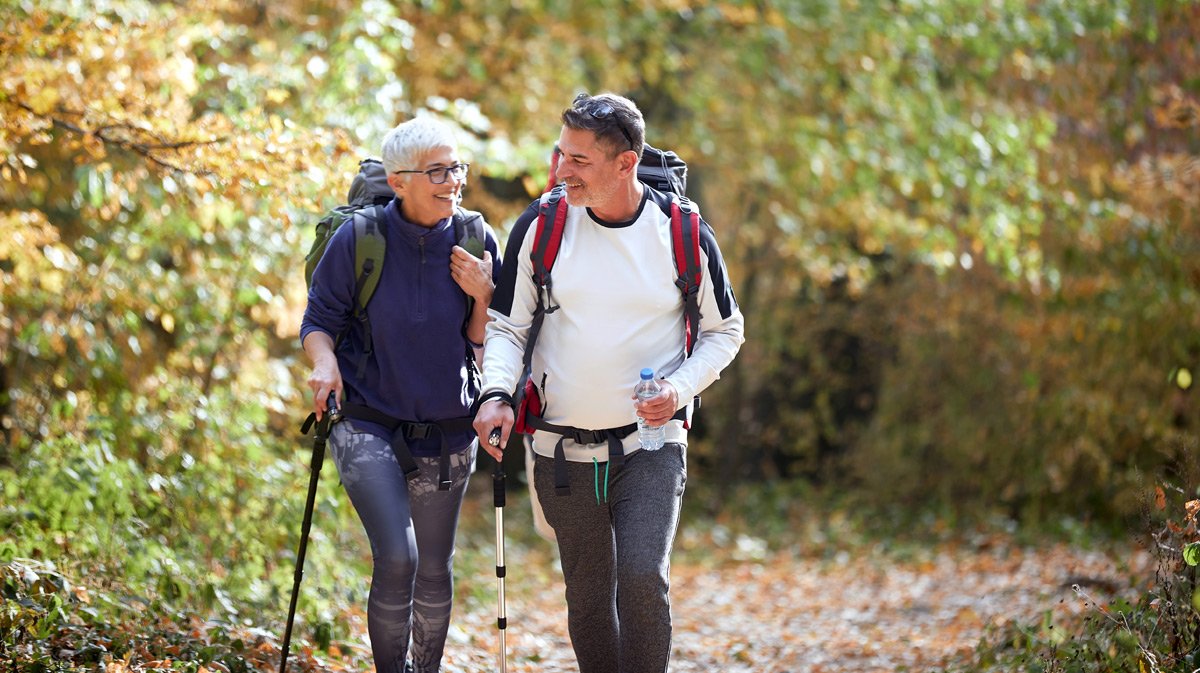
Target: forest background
[[964, 235]]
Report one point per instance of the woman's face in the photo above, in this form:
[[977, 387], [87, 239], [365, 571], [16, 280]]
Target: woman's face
[[423, 202]]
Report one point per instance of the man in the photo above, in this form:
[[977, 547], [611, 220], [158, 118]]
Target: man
[[614, 309]]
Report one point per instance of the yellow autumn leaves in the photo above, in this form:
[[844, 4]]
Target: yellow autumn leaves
[[84, 86]]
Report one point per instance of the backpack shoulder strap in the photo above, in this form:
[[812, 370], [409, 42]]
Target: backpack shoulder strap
[[468, 231], [685, 237], [369, 249], [552, 216], [328, 224], [469, 235], [368, 265]]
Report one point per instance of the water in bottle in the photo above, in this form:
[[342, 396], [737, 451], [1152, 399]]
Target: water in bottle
[[652, 439]]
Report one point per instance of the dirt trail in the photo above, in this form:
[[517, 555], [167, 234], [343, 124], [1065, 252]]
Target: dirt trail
[[780, 614]]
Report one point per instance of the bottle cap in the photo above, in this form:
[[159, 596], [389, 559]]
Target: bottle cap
[[647, 374]]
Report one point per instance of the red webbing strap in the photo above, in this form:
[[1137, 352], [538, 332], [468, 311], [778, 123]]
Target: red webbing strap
[[552, 178], [686, 240], [547, 238], [558, 203]]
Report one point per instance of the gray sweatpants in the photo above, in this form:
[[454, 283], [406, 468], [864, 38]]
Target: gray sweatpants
[[411, 526], [615, 552]]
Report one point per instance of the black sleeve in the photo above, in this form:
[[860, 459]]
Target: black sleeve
[[722, 289], [502, 298]]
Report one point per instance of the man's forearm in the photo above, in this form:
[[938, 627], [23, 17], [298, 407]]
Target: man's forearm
[[715, 350], [505, 348]]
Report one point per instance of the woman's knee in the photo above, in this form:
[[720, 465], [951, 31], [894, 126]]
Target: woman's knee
[[435, 569], [399, 563]]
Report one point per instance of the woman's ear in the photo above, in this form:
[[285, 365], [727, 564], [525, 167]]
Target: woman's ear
[[397, 183]]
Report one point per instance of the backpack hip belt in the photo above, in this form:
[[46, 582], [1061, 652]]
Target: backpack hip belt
[[612, 436], [402, 430]]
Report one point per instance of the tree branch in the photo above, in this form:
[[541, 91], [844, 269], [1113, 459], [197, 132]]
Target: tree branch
[[144, 149]]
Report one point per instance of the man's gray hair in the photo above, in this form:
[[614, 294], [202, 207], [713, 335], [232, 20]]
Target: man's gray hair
[[409, 142], [614, 119]]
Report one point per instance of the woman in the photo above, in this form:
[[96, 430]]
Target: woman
[[405, 387]]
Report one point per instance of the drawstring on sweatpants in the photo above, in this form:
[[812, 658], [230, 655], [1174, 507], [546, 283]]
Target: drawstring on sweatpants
[[596, 479]]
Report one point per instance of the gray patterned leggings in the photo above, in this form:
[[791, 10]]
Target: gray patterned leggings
[[411, 527]]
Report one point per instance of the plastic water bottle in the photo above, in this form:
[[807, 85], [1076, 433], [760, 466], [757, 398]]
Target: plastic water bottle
[[652, 439]]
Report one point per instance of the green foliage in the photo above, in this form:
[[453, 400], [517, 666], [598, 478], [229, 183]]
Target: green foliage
[[1157, 632], [910, 180], [988, 310], [48, 623], [211, 532], [964, 236]]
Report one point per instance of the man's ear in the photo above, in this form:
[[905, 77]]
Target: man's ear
[[628, 162]]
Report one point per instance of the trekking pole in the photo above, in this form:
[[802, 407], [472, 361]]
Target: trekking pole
[[332, 415], [498, 501]]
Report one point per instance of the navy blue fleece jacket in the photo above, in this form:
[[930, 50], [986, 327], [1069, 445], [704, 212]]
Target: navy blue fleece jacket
[[418, 371]]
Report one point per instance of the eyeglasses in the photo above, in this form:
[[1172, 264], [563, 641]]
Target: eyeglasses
[[598, 109], [440, 175]]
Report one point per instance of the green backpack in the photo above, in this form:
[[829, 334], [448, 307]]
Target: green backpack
[[369, 193]]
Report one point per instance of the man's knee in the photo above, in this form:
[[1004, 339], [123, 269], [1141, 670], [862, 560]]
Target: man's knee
[[642, 576]]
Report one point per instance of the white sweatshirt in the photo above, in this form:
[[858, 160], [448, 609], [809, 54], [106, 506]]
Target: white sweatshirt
[[619, 311]]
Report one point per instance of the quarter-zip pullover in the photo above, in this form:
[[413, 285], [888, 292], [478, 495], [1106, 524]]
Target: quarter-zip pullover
[[416, 316]]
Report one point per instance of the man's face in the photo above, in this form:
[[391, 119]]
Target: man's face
[[425, 203], [587, 168]]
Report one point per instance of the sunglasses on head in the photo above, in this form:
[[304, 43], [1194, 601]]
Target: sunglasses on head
[[600, 109]]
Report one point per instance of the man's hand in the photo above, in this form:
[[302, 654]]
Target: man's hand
[[658, 409], [494, 414]]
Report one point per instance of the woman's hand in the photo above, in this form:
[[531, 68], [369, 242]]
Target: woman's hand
[[472, 274], [325, 377]]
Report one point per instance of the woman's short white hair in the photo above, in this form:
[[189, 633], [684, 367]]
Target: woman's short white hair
[[409, 142]]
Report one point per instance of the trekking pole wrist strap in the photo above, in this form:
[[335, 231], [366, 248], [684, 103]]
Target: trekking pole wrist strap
[[495, 395]]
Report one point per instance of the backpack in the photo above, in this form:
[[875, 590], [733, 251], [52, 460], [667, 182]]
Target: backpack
[[664, 171], [369, 193]]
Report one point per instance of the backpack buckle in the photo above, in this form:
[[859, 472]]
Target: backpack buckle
[[687, 288], [419, 430], [588, 436]]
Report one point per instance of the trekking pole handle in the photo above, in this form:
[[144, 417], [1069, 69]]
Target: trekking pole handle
[[498, 485], [331, 408], [497, 472]]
